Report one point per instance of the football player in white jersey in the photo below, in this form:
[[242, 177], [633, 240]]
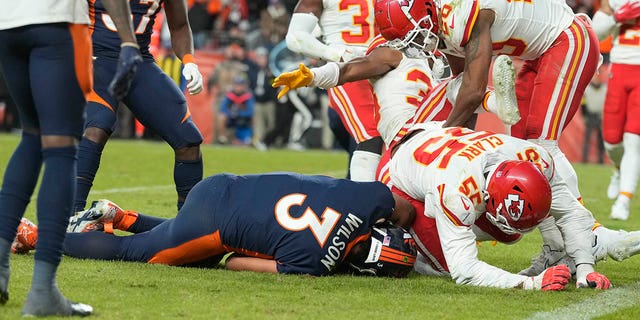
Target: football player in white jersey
[[401, 82], [561, 55], [45, 54], [620, 125], [347, 28], [461, 176], [560, 50]]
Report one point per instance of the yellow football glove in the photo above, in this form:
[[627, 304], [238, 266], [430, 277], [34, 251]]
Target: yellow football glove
[[293, 80]]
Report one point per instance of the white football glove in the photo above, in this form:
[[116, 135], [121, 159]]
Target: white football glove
[[194, 78]]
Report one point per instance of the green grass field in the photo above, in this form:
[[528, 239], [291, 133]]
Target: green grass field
[[138, 175]]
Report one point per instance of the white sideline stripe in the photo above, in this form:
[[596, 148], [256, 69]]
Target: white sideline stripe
[[167, 187], [602, 304]]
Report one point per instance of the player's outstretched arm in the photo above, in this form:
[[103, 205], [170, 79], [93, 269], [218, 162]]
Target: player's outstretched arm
[[478, 54], [129, 50], [240, 263], [182, 43], [380, 61]]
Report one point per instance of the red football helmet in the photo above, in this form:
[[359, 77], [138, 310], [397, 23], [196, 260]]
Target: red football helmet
[[401, 21], [519, 196]]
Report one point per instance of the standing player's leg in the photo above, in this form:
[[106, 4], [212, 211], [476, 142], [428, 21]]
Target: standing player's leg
[[23, 168], [64, 51], [160, 105], [100, 124], [622, 134], [355, 105]]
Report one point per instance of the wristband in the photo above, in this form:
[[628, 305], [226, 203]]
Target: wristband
[[188, 58], [326, 76]]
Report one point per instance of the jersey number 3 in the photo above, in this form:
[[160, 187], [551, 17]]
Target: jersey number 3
[[320, 227]]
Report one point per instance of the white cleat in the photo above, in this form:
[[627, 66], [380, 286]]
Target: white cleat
[[620, 211], [94, 219], [626, 247], [504, 83], [614, 185], [548, 258]]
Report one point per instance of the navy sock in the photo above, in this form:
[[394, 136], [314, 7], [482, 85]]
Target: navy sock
[[186, 173], [55, 201], [93, 245], [20, 179], [145, 223], [89, 155]]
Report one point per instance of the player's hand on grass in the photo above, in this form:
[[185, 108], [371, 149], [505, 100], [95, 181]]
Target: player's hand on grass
[[293, 80], [552, 279], [128, 63], [594, 280], [193, 77]]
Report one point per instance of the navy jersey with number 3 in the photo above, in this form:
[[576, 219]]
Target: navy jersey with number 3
[[105, 37], [305, 223]]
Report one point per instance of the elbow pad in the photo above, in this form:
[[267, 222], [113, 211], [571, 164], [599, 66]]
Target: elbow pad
[[602, 24], [302, 25], [300, 38]]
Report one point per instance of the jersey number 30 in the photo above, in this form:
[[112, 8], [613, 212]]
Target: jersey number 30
[[320, 227]]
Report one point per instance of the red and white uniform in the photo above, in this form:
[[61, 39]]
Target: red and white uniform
[[445, 169], [622, 103], [399, 92], [349, 24], [560, 49]]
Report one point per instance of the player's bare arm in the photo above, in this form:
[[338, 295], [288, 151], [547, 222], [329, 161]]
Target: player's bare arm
[[181, 37], [240, 263], [478, 53], [377, 63], [404, 213], [182, 43], [120, 13], [456, 64]]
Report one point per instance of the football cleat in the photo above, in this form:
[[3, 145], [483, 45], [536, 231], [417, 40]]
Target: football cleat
[[620, 211], [548, 258], [99, 217], [627, 246], [614, 185], [504, 83], [26, 238]]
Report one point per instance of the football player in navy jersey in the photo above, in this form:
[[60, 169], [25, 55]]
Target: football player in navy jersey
[[45, 55], [278, 223], [154, 98]]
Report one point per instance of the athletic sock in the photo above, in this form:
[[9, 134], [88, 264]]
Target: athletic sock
[[186, 173], [143, 223], [55, 201], [563, 166], [20, 178], [630, 165], [5, 270], [363, 166], [89, 154]]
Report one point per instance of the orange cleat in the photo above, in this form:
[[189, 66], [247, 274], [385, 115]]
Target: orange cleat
[[26, 238]]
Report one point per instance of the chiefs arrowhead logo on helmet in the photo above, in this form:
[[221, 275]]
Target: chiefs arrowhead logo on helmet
[[514, 206]]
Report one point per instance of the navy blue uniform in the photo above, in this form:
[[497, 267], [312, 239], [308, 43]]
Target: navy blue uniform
[[306, 223], [153, 98]]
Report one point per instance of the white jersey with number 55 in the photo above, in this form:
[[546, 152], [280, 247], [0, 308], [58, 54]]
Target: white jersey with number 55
[[447, 169], [522, 28]]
